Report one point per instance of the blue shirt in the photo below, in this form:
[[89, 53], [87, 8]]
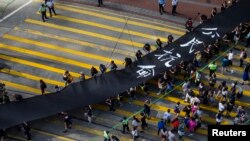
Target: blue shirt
[[161, 1], [160, 124], [225, 62]]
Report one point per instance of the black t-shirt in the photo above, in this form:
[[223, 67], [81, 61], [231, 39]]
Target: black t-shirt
[[67, 119]]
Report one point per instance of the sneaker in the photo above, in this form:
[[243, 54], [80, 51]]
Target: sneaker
[[65, 131], [158, 93]]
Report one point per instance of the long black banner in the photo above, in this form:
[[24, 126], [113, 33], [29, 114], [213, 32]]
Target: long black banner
[[98, 89]]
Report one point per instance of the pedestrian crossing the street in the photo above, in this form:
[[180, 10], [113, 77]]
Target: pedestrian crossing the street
[[77, 39]]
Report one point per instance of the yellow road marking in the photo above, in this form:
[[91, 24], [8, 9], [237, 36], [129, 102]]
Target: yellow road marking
[[16, 137], [237, 102], [165, 108], [52, 135], [178, 27], [246, 60], [30, 76], [22, 87], [175, 100], [96, 35], [108, 27], [37, 65], [195, 90], [75, 41], [121, 20], [152, 120], [86, 129], [60, 48], [47, 56]]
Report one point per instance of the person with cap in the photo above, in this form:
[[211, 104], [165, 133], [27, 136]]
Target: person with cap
[[42, 10]]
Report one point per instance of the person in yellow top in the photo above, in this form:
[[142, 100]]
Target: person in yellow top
[[42, 10], [212, 68]]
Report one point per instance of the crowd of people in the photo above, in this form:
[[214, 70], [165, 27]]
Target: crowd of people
[[211, 92]]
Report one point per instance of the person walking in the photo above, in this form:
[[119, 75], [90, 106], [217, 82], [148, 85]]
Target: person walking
[[230, 56], [167, 116], [214, 12], [212, 68], [113, 66], [82, 76], [248, 39], [106, 136], [42, 10], [161, 85], [161, 6], [243, 56], [43, 86], [135, 122], [67, 122], [224, 64], [164, 134], [245, 76], [102, 68], [218, 118], [67, 77], [159, 44], [125, 125], [171, 136], [144, 123], [26, 128], [138, 55], [50, 5], [189, 25], [93, 71], [174, 6], [181, 130], [89, 114], [160, 126], [135, 134], [100, 3]]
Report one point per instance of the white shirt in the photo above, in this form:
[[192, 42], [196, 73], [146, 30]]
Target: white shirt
[[230, 55], [174, 2], [49, 4], [166, 116], [134, 123], [224, 92], [221, 107], [171, 136], [134, 133]]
